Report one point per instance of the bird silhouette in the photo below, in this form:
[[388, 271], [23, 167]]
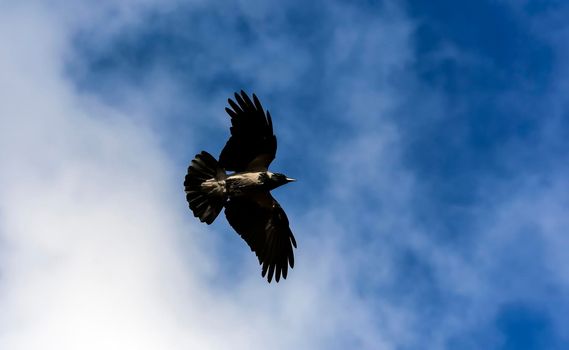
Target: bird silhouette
[[245, 193]]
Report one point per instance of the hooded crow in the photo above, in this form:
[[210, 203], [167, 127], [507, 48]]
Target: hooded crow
[[245, 193]]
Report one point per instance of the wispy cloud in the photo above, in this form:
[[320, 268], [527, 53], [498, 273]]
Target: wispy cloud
[[431, 203]]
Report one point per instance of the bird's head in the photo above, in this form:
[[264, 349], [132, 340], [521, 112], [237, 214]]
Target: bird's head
[[275, 180]]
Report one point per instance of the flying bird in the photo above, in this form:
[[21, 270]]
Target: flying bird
[[245, 193]]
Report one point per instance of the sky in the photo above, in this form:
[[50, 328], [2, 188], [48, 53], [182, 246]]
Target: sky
[[429, 140]]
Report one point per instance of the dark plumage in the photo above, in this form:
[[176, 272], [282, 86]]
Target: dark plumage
[[249, 207]]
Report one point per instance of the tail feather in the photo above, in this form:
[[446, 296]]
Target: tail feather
[[206, 198]]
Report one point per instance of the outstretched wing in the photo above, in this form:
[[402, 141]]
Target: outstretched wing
[[252, 145], [263, 224]]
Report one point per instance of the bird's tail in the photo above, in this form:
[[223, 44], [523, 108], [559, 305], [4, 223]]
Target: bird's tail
[[204, 191]]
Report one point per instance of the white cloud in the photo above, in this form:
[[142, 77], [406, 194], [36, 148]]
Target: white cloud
[[97, 250], [89, 247]]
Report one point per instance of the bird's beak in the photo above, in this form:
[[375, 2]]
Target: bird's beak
[[288, 179]]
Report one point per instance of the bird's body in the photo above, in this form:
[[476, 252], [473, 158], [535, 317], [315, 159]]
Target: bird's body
[[244, 183], [255, 181], [249, 207]]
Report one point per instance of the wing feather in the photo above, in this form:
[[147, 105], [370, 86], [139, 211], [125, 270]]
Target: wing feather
[[252, 145], [263, 224]]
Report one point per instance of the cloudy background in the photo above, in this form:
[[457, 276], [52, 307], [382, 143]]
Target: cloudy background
[[430, 140]]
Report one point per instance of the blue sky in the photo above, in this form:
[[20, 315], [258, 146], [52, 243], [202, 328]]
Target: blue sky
[[429, 140]]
